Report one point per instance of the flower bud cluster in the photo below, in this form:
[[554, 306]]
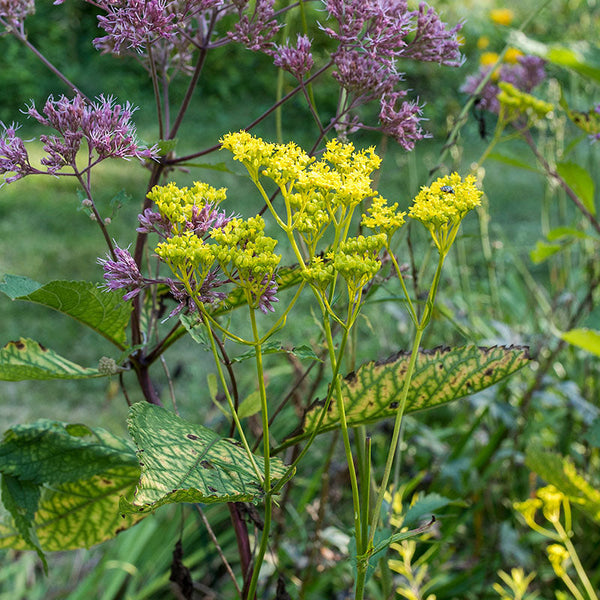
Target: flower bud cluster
[[516, 104]]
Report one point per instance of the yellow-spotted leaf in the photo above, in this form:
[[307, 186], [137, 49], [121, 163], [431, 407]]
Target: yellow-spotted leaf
[[101, 310], [28, 359], [441, 375], [62, 484], [185, 462]]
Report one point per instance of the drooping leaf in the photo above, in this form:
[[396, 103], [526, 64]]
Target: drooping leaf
[[21, 499], [28, 359], [103, 311], [561, 472], [68, 478], [543, 251], [580, 181], [185, 462], [440, 376], [588, 339]]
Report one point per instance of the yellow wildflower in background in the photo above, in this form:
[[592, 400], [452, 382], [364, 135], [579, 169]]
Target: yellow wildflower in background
[[483, 42], [502, 16], [512, 56]]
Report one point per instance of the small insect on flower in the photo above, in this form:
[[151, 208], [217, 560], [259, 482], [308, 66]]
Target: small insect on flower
[[448, 189]]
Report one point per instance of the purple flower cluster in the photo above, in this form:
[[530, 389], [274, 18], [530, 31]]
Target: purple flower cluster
[[372, 36], [526, 74], [123, 273], [14, 12], [105, 126], [298, 61], [255, 31], [13, 155]]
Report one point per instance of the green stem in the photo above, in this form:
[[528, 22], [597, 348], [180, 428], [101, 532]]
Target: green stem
[[238, 425], [363, 564], [266, 455], [576, 562]]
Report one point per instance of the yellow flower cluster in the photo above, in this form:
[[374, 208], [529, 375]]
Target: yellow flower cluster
[[185, 253], [383, 218], [516, 103], [242, 247], [356, 260], [442, 206], [176, 204]]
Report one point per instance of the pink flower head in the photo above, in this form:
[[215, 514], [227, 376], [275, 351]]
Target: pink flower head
[[403, 124], [134, 24], [13, 12], [122, 273], [269, 295], [364, 74], [105, 126], [255, 30], [433, 41], [13, 155], [298, 61]]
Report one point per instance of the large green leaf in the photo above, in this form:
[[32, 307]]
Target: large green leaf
[[28, 359], [62, 484], [588, 339], [441, 375], [103, 311], [580, 181], [185, 462], [561, 472]]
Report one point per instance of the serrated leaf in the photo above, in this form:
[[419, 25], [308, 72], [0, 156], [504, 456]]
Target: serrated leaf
[[580, 181], [440, 376], [543, 251], [588, 339], [185, 462], [57, 452], [103, 311], [27, 359], [561, 472], [73, 477]]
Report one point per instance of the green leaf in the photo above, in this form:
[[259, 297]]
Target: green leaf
[[580, 181], [27, 359], [220, 166], [440, 376], [543, 251], [588, 339], [185, 462], [569, 233], [103, 311], [250, 405], [53, 451], [274, 347], [512, 161], [561, 472], [68, 480], [21, 499]]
